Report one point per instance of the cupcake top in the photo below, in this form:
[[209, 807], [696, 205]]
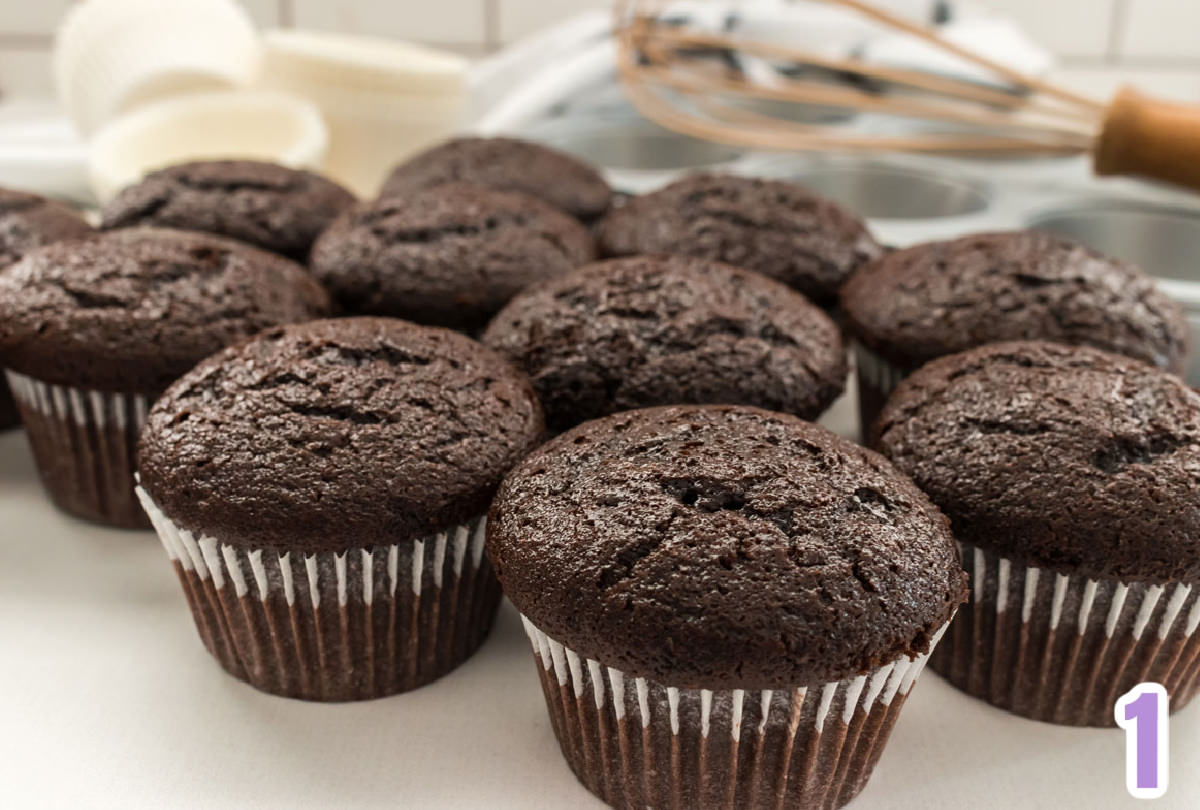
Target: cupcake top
[[776, 228], [451, 255], [723, 547], [507, 164], [913, 305], [661, 330], [131, 310], [1062, 457], [335, 434], [271, 206], [28, 221]]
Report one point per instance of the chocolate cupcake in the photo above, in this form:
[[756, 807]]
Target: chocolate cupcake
[[776, 228], [664, 330], [449, 256], [506, 164], [728, 606], [320, 490], [271, 206], [1069, 477], [91, 331], [944, 297], [28, 221]]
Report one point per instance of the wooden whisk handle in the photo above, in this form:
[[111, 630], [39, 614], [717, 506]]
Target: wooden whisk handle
[[1144, 137]]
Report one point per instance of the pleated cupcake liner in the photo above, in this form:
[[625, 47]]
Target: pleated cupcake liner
[[1063, 648], [877, 379], [337, 626], [84, 443], [111, 57], [637, 744]]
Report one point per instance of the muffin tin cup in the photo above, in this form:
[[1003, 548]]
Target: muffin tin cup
[[878, 190], [336, 626], [1063, 648], [877, 379], [84, 443], [1161, 238], [636, 743]]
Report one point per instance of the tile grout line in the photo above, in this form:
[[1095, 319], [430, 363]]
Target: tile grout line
[[1117, 20], [491, 24]]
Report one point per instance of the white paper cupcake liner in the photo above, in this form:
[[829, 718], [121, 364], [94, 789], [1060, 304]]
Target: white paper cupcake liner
[[84, 443], [877, 379], [371, 132], [1062, 648], [113, 55], [385, 67], [351, 625], [637, 744], [383, 101], [275, 127]]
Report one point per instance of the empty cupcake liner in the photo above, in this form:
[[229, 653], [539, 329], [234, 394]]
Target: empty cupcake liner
[[386, 67], [383, 101], [84, 443], [877, 379], [1063, 648], [113, 55], [335, 626], [259, 125], [372, 130], [636, 743]]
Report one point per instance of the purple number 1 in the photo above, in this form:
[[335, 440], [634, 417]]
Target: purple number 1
[[1142, 712]]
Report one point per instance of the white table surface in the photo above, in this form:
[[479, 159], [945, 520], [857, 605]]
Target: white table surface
[[108, 700]]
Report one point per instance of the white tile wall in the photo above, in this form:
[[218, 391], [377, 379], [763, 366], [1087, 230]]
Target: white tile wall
[[443, 21], [31, 16], [25, 72], [520, 17], [1161, 29], [1101, 82], [1101, 42], [266, 12], [1068, 27]]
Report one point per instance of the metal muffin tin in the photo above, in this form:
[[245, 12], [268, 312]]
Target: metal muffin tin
[[637, 155], [909, 199], [878, 190], [1163, 240]]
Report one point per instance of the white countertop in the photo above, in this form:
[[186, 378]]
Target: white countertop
[[109, 700]]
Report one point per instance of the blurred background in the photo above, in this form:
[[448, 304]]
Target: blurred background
[[1099, 43], [95, 93]]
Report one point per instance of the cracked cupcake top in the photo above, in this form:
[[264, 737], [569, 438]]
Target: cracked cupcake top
[[776, 228], [723, 547], [506, 164], [943, 297], [274, 207], [28, 221], [451, 255], [132, 310], [661, 330], [337, 434], [1062, 457]]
